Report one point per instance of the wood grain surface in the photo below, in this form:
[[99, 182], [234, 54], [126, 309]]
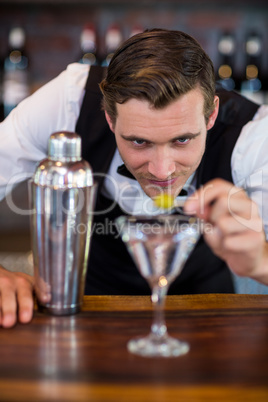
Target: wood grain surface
[[84, 357]]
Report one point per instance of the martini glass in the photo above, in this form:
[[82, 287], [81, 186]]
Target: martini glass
[[160, 246]]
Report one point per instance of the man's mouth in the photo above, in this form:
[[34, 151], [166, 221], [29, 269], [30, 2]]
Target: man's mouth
[[162, 183]]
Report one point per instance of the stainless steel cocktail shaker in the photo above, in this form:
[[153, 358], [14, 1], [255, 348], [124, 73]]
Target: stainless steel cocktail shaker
[[62, 200]]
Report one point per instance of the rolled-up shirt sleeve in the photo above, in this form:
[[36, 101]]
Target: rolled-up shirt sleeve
[[250, 162], [24, 133]]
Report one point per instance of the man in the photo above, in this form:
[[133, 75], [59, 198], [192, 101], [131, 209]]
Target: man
[[167, 131]]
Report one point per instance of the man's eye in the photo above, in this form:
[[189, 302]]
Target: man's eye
[[138, 142], [183, 140]]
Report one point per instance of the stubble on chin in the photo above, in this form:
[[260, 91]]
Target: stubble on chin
[[152, 190]]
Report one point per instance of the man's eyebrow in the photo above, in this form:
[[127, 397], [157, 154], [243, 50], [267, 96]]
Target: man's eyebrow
[[133, 137], [186, 135]]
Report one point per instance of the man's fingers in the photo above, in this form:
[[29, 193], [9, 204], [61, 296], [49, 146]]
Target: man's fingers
[[234, 225], [25, 301], [219, 200], [231, 238], [8, 307], [16, 298], [214, 192]]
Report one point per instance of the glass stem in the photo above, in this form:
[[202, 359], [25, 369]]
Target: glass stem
[[158, 327]]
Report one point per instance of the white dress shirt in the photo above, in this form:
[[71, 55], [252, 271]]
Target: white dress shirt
[[56, 106]]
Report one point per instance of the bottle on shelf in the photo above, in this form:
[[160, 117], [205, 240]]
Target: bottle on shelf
[[88, 46], [15, 85], [251, 85], [226, 52], [113, 39]]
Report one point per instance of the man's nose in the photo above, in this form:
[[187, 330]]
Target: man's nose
[[161, 166]]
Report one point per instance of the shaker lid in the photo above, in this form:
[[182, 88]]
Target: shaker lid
[[64, 167], [64, 146]]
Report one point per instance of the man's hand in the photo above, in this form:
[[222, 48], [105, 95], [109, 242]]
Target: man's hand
[[16, 297], [233, 228]]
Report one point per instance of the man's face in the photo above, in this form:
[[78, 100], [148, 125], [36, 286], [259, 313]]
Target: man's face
[[162, 147]]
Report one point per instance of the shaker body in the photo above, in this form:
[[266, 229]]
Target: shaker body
[[61, 229], [62, 200]]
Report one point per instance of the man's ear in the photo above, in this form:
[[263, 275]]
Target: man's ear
[[212, 118], [109, 121]]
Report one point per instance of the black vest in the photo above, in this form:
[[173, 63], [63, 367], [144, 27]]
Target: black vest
[[111, 269]]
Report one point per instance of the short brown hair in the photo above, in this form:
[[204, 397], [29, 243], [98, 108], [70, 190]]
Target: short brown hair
[[158, 66]]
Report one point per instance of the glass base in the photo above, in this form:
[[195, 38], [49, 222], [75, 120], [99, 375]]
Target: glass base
[[152, 346]]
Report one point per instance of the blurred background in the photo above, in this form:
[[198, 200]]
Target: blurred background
[[39, 38], [233, 32]]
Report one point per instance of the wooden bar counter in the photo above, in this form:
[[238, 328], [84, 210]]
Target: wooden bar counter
[[84, 357]]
